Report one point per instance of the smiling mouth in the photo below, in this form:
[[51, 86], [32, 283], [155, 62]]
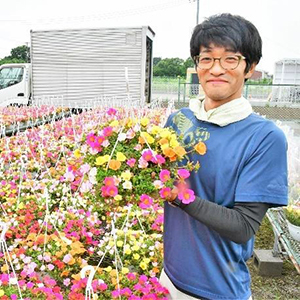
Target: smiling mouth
[[217, 81]]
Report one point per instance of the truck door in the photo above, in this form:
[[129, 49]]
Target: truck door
[[14, 85]]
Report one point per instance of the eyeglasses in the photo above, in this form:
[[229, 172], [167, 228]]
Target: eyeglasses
[[230, 62]]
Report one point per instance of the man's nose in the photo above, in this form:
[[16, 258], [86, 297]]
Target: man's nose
[[216, 68]]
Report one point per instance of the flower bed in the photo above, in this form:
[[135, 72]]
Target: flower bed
[[86, 194]]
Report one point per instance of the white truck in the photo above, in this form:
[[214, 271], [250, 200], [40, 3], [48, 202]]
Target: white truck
[[76, 67]]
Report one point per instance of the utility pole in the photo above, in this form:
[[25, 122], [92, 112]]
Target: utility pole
[[197, 20]]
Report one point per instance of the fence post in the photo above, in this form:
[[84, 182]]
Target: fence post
[[178, 88], [246, 92]]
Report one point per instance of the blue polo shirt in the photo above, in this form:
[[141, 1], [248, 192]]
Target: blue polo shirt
[[246, 161]]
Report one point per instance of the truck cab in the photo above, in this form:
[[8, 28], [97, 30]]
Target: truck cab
[[15, 84]]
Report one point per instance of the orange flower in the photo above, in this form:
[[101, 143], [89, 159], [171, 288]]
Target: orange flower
[[180, 151], [200, 148], [141, 140], [114, 165], [163, 141], [169, 152], [65, 273]]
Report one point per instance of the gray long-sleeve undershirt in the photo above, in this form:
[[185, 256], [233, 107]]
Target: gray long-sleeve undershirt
[[238, 224]]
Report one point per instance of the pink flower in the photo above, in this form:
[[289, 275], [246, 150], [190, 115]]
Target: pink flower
[[67, 258], [164, 175], [111, 191], [131, 276], [186, 196], [115, 293], [104, 191], [183, 173], [102, 286], [109, 181], [143, 279], [158, 184], [130, 162], [85, 168], [107, 131], [67, 281], [147, 155], [112, 112], [160, 159], [165, 192], [143, 164], [126, 292], [146, 201], [29, 285]]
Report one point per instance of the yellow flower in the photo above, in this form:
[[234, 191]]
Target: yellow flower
[[164, 146], [156, 129], [174, 143], [102, 160], [143, 265], [148, 137], [114, 123], [21, 206], [77, 153], [135, 248], [145, 121], [136, 256], [118, 197], [125, 271], [146, 260], [1, 293], [120, 243], [165, 133], [121, 156], [127, 251], [108, 269], [129, 122], [126, 175]]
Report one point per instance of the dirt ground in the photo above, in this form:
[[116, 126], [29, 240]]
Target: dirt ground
[[286, 286]]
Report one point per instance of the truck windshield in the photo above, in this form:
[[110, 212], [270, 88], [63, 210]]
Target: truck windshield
[[10, 76]]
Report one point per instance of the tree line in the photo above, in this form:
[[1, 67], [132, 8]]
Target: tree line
[[20, 54], [171, 67]]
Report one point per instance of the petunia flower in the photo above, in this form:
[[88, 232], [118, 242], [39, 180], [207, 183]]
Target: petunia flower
[[164, 175], [165, 192], [147, 155], [183, 173], [145, 201], [186, 196], [131, 162]]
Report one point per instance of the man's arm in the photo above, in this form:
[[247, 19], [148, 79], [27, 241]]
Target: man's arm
[[238, 224]]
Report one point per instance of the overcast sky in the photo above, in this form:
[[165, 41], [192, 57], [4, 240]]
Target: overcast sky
[[172, 21]]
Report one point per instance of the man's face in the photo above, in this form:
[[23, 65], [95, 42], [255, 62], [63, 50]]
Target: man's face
[[220, 85]]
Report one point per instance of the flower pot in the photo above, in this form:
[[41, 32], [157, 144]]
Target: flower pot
[[294, 231]]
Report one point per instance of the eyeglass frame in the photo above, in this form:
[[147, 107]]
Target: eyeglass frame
[[240, 57]]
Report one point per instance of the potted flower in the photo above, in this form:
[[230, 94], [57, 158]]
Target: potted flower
[[292, 213]]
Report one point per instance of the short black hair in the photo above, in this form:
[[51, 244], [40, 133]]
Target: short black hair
[[228, 30]]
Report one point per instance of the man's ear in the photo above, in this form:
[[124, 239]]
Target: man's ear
[[250, 72]]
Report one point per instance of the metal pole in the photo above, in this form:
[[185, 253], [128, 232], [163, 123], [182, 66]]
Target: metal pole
[[197, 13]]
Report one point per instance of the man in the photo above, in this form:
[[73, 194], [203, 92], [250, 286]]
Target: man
[[242, 174]]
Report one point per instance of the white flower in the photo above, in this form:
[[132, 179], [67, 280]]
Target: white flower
[[122, 137], [127, 185]]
